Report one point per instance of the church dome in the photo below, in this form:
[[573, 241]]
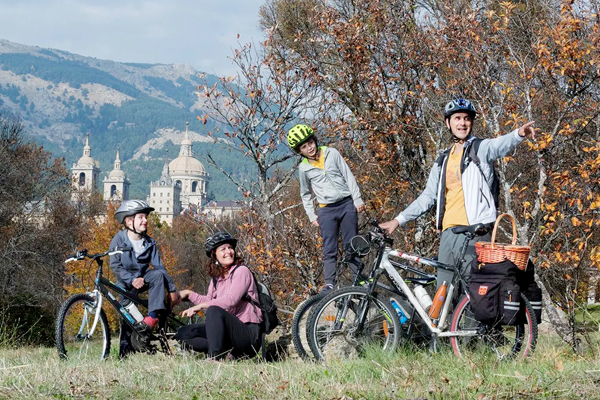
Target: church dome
[[116, 173], [186, 165], [86, 160]]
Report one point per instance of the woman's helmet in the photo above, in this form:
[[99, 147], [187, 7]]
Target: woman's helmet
[[299, 135], [129, 208], [217, 239], [459, 105]]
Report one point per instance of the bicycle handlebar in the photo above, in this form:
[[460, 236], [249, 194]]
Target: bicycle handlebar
[[82, 254]]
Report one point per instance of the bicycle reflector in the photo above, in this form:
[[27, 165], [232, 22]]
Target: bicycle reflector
[[360, 245]]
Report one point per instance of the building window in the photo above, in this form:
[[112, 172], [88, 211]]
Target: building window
[[82, 179], [113, 189], [167, 209], [160, 209], [154, 194], [194, 186], [161, 194]]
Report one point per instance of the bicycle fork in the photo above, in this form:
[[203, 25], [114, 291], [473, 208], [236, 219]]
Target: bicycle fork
[[84, 333]]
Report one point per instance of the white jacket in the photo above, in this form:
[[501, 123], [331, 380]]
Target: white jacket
[[479, 202]]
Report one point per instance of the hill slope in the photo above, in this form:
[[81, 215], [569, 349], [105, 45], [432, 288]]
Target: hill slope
[[139, 108]]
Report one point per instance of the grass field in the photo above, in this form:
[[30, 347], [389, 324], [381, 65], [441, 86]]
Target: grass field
[[553, 372]]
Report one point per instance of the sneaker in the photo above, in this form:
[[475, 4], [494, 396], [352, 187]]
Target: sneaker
[[327, 288], [146, 325]]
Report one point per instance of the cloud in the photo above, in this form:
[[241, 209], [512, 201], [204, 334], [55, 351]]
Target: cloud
[[197, 32]]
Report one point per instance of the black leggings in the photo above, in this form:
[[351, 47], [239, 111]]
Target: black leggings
[[221, 333]]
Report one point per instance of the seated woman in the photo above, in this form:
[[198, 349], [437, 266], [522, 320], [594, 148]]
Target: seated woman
[[232, 324]]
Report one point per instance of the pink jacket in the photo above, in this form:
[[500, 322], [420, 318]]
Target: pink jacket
[[229, 292]]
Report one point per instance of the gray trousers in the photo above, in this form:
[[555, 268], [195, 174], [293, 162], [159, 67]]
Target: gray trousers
[[449, 252], [341, 215], [156, 284]]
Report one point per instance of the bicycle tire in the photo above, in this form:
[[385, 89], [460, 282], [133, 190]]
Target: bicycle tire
[[506, 341], [299, 331], [381, 327], [75, 319]]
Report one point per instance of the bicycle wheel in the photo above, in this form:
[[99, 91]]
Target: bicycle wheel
[[505, 341], [299, 332], [73, 330], [348, 321]]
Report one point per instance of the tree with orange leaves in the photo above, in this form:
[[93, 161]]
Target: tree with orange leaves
[[388, 67]]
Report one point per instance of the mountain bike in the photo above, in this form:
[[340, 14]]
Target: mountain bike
[[82, 329], [299, 337], [350, 320], [360, 246]]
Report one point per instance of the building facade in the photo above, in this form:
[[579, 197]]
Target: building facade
[[189, 173], [165, 196], [116, 185], [86, 173], [181, 186]]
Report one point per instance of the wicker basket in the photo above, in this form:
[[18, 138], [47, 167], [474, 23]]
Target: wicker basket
[[491, 252]]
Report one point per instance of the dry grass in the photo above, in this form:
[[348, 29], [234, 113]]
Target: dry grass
[[553, 372]]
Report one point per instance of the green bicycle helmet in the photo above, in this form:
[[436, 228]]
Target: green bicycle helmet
[[299, 135]]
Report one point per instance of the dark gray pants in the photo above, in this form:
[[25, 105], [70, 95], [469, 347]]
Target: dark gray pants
[[156, 285], [341, 215], [449, 252]]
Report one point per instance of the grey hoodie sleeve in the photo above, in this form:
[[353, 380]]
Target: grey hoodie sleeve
[[492, 149], [307, 198], [425, 201], [348, 177], [115, 262]]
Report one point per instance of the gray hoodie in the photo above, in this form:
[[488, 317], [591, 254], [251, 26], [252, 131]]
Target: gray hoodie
[[333, 183]]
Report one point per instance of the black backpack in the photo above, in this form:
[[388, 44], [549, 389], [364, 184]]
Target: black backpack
[[472, 157], [265, 303]]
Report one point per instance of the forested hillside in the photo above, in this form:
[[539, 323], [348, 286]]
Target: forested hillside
[[60, 97]]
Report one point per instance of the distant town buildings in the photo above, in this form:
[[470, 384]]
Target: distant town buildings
[[181, 187]]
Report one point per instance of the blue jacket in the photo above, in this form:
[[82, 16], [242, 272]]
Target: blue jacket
[[127, 267]]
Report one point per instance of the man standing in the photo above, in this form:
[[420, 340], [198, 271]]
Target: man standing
[[462, 184]]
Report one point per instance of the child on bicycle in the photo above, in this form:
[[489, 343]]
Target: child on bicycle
[[133, 271], [323, 170]]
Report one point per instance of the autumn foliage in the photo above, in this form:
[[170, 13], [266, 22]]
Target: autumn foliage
[[383, 72]]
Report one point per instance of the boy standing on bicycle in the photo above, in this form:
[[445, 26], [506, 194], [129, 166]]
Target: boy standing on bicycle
[[462, 183], [323, 170], [132, 268]]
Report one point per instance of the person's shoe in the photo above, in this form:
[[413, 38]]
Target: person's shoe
[[146, 325], [327, 288]]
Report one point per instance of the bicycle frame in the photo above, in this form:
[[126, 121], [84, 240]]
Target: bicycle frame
[[387, 266], [103, 287], [390, 267]]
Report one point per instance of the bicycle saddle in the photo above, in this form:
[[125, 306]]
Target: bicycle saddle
[[477, 229]]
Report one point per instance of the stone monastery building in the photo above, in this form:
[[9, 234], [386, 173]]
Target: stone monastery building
[[181, 186]]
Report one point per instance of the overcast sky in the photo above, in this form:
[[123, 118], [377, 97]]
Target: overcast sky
[[201, 33]]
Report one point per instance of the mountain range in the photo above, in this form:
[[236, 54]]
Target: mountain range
[[141, 109]]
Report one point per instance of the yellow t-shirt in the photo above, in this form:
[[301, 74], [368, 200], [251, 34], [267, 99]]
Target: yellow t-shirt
[[454, 213], [320, 163]]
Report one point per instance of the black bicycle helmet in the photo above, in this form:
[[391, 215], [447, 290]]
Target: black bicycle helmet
[[459, 105], [217, 239], [129, 208]]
